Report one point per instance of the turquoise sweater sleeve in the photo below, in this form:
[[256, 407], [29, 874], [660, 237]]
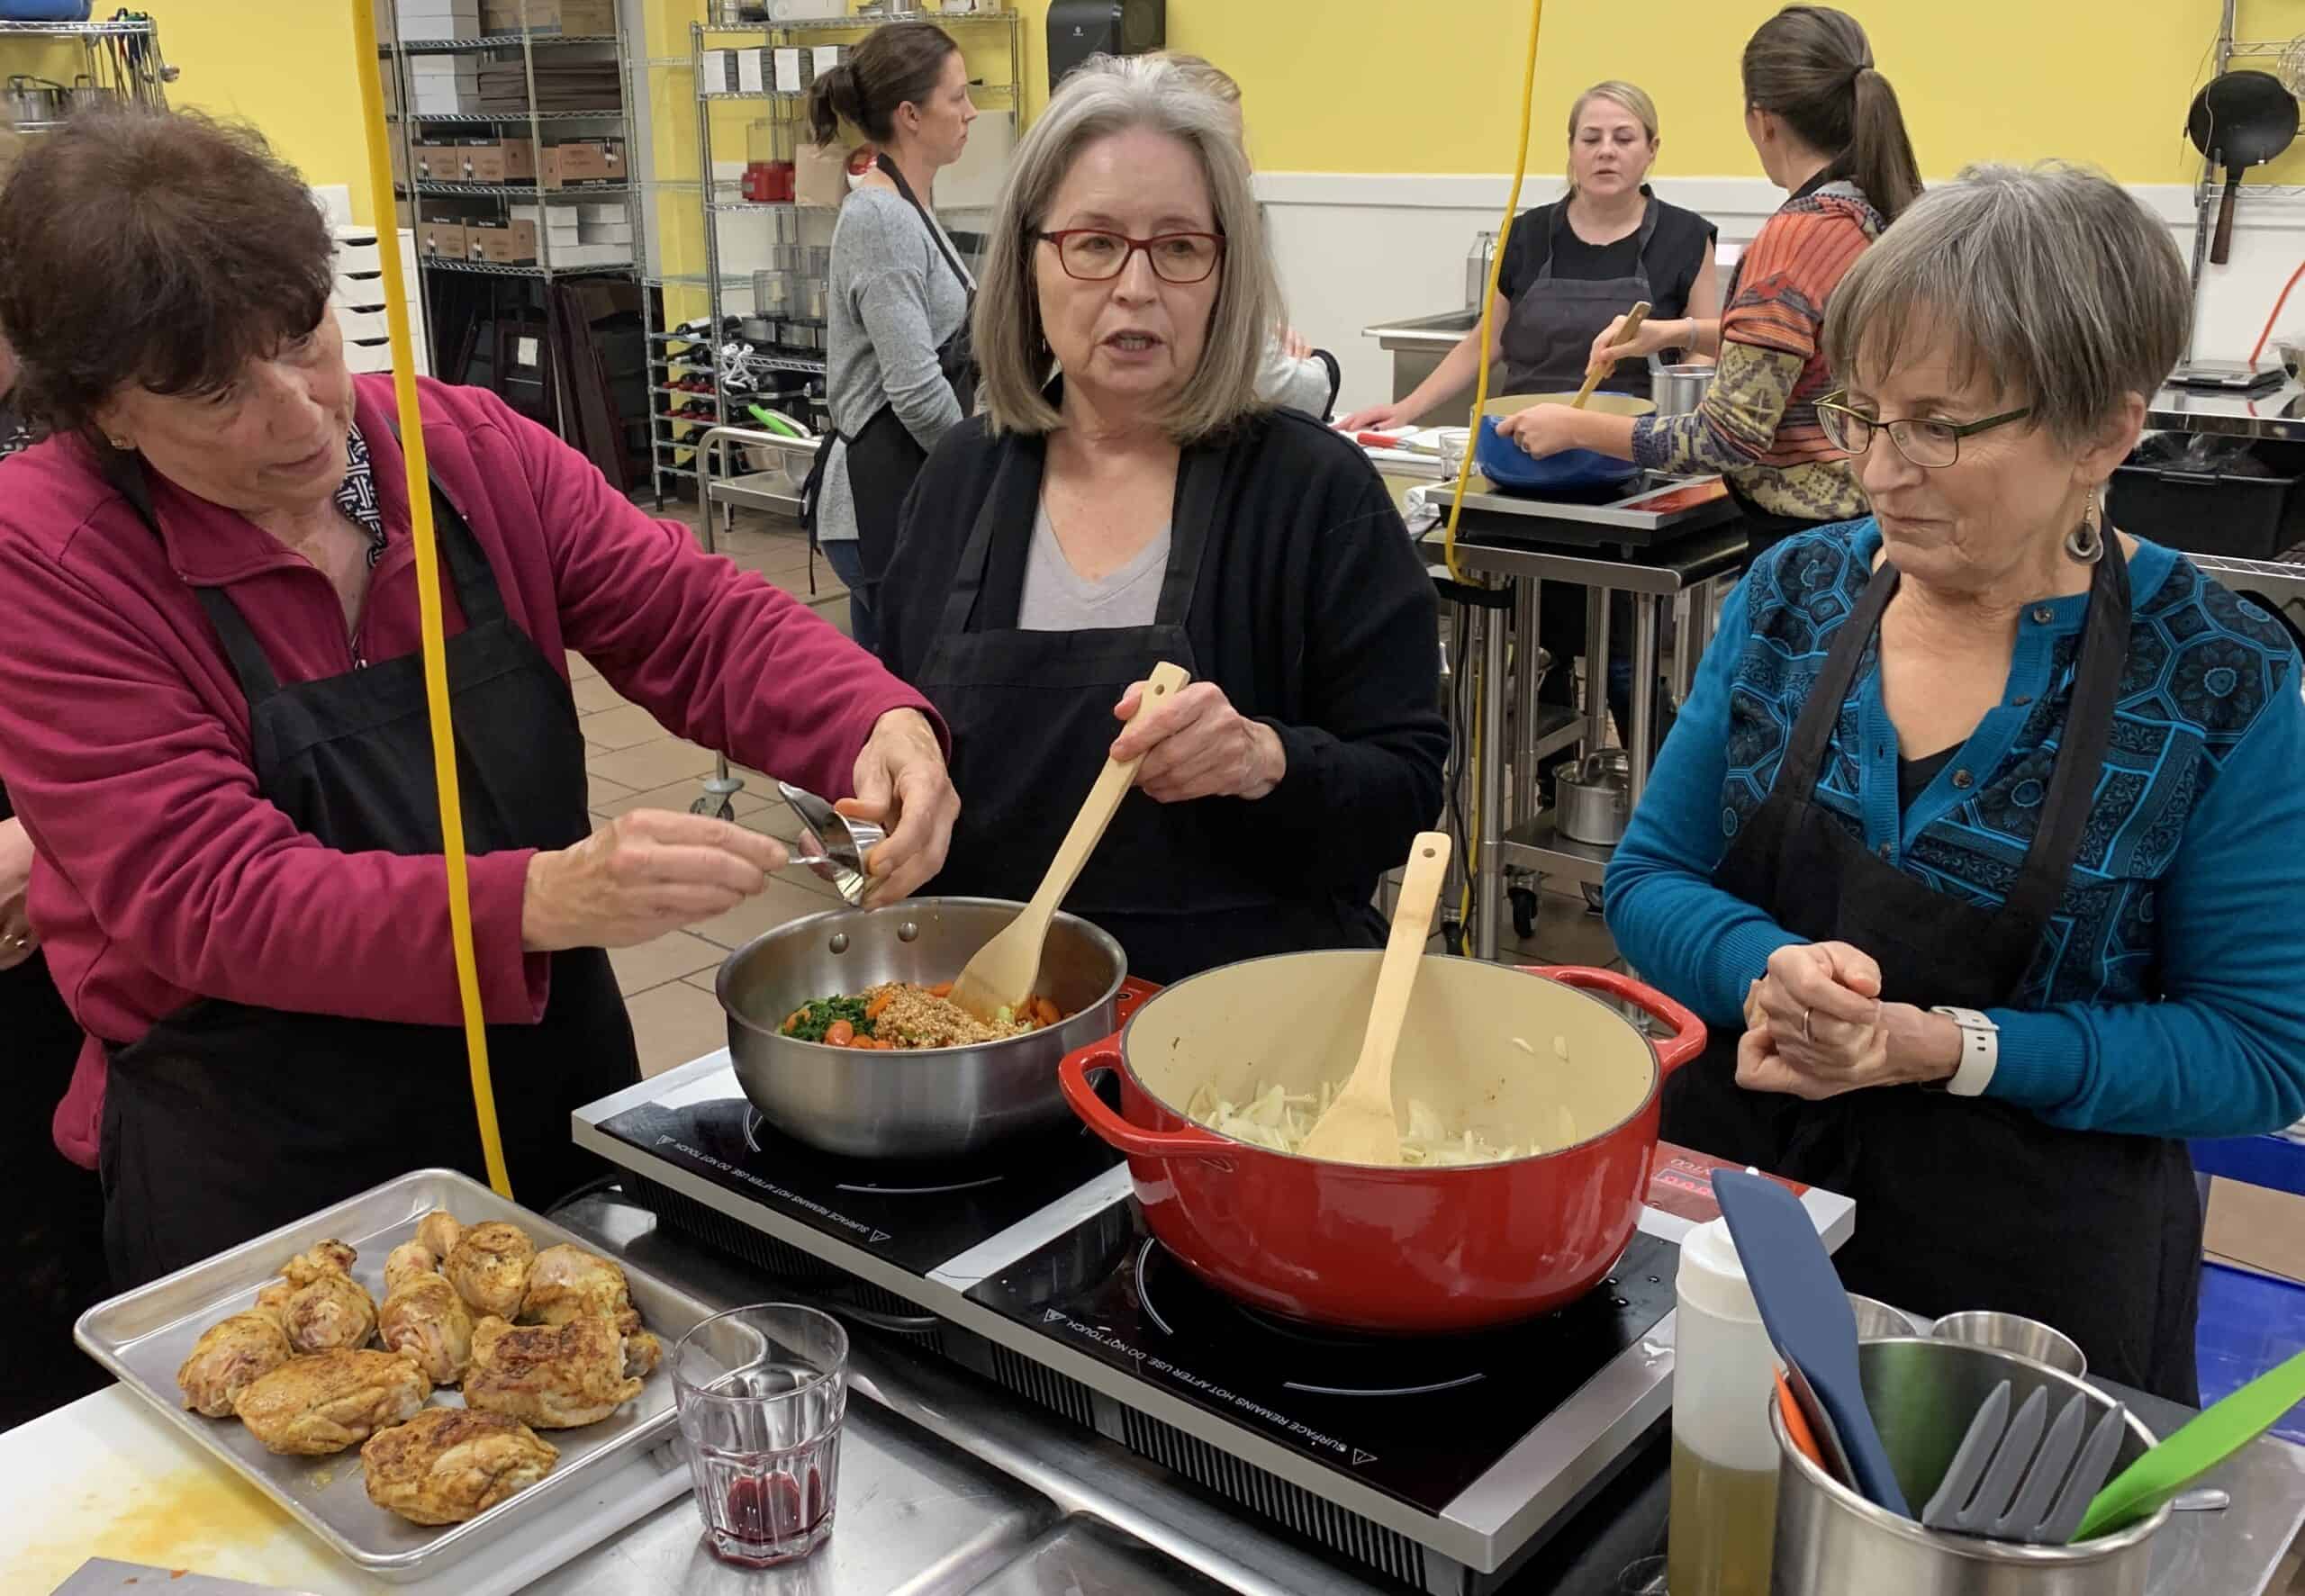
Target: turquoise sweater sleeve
[[2223, 1053], [1700, 944]]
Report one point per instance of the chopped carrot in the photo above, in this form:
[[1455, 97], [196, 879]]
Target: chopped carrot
[[1044, 1012], [941, 989], [879, 1005], [838, 1033], [793, 1019]]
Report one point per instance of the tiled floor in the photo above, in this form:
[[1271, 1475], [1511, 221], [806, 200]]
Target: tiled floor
[[636, 763]]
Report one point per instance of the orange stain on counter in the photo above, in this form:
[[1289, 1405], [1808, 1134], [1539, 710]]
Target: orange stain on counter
[[203, 1519]]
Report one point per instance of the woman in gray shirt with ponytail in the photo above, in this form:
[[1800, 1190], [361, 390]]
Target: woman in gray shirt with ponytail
[[899, 370]]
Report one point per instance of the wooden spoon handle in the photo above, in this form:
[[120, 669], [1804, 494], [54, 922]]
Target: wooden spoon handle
[[1601, 368], [1428, 866], [1166, 681]]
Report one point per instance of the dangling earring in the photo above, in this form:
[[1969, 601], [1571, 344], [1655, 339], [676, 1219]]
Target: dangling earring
[[2085, 544]]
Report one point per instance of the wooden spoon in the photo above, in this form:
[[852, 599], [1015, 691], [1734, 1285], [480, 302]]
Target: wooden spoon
[[1594, 373], [1002, 974], [1359, 1126]]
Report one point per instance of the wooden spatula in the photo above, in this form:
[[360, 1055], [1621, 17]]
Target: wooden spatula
[[1593, 373], [1359, 1126], [1002, 973]]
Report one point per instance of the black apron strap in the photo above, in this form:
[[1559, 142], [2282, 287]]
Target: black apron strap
[[1014, 500], [2097, 676], [889, 170]]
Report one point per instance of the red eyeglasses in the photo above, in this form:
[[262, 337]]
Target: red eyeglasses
[[1093, 255]]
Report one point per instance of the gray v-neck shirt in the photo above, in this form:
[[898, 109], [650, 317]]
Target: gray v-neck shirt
[[1058, 599]]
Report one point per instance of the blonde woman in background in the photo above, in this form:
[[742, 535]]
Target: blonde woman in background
[[1571, 267], [1293, 372]]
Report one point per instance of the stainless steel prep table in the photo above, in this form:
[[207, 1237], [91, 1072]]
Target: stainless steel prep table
[[947, 1487], [1686, 579], [1417, 344], [2277, 413]]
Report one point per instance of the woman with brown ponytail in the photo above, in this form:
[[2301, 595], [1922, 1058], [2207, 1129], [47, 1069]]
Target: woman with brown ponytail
[[899, 373], [1826, 125]]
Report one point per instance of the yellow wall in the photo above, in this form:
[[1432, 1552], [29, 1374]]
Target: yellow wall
[[284, 65], [1383, 85]]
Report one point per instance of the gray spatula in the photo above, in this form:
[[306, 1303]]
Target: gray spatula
[[2009, 1482]]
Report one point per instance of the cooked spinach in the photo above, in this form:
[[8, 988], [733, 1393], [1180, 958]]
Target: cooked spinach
[[813, 1019]]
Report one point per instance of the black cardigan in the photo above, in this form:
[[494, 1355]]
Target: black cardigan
[[1312, 613]]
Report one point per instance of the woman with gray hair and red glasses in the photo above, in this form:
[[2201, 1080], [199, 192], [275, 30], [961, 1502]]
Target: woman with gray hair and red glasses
[[1147, 506]]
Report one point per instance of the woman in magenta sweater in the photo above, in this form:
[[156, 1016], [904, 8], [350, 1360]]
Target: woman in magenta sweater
[[216, 734]]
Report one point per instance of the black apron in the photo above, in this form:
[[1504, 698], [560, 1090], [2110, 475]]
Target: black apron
[[1548, 338], [883, 457], [1961, 1202], [1031, 715], [225, 1121]]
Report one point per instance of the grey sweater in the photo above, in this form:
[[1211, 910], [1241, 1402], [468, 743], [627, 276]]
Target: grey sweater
[[890, 302]]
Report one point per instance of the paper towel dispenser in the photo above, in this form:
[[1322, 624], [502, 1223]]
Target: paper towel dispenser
[[1078, 29]]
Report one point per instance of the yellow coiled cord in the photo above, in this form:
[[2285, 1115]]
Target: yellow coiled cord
[[428, 588], [1480, 400]]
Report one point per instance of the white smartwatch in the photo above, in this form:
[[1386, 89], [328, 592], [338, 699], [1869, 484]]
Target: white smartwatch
[[1980, 1052]]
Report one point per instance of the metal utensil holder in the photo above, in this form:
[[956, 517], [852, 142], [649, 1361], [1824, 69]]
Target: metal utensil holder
[[721, 787]]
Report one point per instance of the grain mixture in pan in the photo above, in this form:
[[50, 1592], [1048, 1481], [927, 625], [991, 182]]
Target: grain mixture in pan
[[900, 1015]]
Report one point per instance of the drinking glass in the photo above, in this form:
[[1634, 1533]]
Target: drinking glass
[[760, 1392]]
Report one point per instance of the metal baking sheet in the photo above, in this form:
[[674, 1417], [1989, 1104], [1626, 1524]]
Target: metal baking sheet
[[144, 1336]]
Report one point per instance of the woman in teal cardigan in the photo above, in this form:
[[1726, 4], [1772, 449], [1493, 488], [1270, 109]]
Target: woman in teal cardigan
[[1981, 839]]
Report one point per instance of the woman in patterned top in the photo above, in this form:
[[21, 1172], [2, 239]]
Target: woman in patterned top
[[1981, 831], [1826, 125]]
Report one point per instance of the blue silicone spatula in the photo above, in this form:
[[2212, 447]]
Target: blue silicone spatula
[[1808, 1317]]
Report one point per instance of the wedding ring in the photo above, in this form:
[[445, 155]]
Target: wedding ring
[[1807, 1014]]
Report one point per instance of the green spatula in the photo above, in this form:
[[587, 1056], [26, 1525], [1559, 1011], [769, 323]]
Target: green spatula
[[2214, 1435]]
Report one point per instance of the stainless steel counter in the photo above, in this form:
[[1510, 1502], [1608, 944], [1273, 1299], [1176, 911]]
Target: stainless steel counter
[[947, 1487], [1417, 344], [2276, 413]]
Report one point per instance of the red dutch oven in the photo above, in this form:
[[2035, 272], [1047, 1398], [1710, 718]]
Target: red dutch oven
[[1520, 1057]]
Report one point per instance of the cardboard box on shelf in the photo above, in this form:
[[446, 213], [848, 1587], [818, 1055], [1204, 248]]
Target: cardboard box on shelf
[[443, 238], [440, 161], [752, 70], [513, 244], [583, 160], [610, 211], [502, 160], [605, 232], [419, 23], [593, 17], [796, 70]]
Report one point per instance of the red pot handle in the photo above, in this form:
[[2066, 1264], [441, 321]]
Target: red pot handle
[[1073, 1079], [1133, 995], [1687, 1040]]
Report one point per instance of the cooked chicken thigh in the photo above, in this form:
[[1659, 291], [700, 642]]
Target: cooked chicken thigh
[[438, 1233], [229, 1356], [409, 1257], [489, 1266], [320, 1305], [423, 1316], [567, 1281], [447, 1465], [311, 1406], [553, 1376]]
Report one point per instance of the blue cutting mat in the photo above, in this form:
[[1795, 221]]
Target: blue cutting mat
[[2248, 1323]]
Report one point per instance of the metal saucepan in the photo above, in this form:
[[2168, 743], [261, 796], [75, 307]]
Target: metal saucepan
[[30, 99], [1409, 1249], [2239, 119], [1593, 796], [1502, 461], [1681, 388], [928, 1103]]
